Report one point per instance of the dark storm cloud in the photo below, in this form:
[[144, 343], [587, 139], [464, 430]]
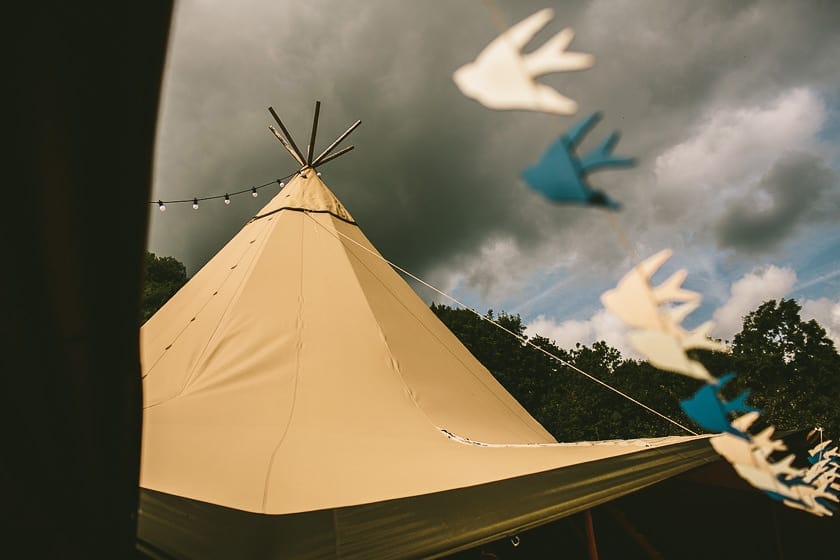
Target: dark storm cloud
[[421, 181], [434, 176], [799, 190]]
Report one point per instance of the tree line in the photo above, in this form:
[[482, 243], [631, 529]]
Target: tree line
[[790, 365]]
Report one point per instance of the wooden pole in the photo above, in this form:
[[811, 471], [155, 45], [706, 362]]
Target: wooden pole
[[633, 532], [286, 145], [340, 152], [334, 144], [286, 133], [590, 535], [312, 136]]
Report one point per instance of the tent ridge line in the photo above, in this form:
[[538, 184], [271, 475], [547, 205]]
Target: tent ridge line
[[423, 324], [515, 416], [524, 341], [350, 255]]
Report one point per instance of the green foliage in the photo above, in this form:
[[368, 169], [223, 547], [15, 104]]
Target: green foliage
[[568, 404], [163, 276], [790, 365]]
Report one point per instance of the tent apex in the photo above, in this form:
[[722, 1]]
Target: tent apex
[[306, 192], [307, 161]]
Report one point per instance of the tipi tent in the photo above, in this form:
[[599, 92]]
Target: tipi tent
[[302, 401]]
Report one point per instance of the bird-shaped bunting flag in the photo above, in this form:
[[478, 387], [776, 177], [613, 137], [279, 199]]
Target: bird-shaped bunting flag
[[812, 490], [561, 176], [710, 411], [660, 336], [502, 77]]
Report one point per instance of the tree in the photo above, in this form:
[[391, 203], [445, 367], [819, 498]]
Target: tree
[[569, 405], [163, 276], [791, 366]]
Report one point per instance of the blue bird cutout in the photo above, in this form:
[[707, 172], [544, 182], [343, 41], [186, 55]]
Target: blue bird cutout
[[560, 175], [707, 409]]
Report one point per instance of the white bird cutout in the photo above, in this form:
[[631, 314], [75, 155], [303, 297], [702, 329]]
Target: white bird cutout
[[502, 77], [819, 447], [823, 453], [636, 303], [745, 421], [660, 338], [734, 449], [667, 352], [738, 450]]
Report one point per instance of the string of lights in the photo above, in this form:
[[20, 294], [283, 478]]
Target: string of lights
[[288, 143], [227, 196]]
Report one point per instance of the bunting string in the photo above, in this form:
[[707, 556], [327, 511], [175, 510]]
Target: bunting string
[[503, 76]]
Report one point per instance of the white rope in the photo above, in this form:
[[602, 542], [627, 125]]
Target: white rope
[[510, 332], [639, 442]]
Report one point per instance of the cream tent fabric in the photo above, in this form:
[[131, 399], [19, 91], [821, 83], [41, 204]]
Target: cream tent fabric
[[298, 372]]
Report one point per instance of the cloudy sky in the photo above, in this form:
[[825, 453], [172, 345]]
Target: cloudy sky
[[731, 108]]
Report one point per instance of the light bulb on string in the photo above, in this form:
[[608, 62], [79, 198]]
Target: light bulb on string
[[254, 192], [195, 204], [319, 174], [227, 198], [161, 206], [281, 183]]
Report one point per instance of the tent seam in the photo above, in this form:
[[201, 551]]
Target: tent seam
[[191, 374], [224, 314], [305, 211], [297, 378]]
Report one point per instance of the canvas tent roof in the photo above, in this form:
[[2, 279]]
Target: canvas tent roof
[[298, 381]]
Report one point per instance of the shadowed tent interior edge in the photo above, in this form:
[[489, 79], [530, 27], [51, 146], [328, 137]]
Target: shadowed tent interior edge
[[82, 88]]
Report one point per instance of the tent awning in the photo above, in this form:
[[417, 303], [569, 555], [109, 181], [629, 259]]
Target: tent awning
[[427, 526]]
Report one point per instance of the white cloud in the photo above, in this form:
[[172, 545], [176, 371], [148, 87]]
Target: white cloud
[[496, 271], [749, 292], [746, 294], [603, 325], [740, 144], [827, 314]]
